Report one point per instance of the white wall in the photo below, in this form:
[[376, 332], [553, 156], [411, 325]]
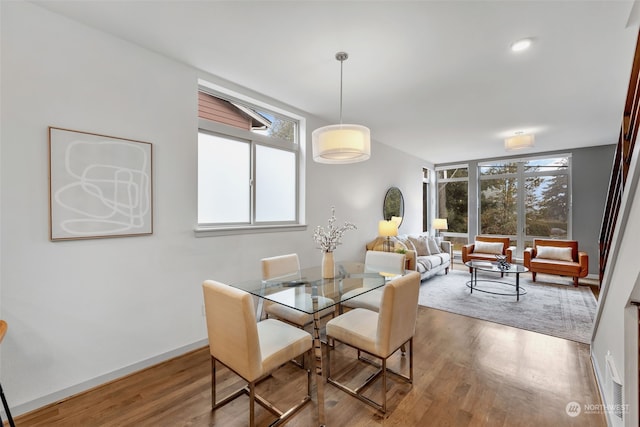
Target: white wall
[[83, 312], [616, 330]]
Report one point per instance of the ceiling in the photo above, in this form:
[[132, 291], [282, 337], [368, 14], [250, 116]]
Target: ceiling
[[433, 78]]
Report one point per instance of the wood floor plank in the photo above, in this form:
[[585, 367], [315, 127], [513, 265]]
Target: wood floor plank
[[467, 372]]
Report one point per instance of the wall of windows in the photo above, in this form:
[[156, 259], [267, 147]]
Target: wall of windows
[[522, 199], [525, 199]]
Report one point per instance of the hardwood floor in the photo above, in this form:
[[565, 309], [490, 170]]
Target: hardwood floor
[[467, 372]]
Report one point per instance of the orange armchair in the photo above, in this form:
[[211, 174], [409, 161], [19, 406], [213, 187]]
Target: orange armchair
[[560, 257], [487, 252]]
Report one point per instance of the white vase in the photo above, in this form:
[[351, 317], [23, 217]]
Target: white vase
[[327, 265]]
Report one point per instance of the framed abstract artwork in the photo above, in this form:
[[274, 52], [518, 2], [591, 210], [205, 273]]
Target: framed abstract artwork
[[99, 186]]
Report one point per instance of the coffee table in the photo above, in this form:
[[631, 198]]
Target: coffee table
[[494, 267]]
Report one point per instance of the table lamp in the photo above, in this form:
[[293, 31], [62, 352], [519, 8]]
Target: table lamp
[[387, 229]]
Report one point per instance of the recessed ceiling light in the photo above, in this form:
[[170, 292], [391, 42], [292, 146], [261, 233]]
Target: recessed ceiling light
[[521, 45]]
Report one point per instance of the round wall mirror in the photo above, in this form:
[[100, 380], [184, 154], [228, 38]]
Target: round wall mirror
[[393, 205]]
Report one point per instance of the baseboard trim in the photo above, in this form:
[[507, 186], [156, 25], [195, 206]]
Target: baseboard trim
[[102, 379]]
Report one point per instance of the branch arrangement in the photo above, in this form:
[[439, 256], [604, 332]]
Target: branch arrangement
[[330, 238]]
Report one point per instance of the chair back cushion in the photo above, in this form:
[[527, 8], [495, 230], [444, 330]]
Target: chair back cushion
[[232, 329], [387, 262], [504, 240], [556, 254], [398, 313], [278, 266], [495, 248]]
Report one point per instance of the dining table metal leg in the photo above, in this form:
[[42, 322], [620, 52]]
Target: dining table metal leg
[[318, 362]]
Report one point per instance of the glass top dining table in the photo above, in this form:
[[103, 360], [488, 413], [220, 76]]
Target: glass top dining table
[[300, 291], [295, 290]]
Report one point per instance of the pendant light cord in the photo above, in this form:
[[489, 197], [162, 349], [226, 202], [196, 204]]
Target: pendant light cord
[[341, 63], [341, 56]]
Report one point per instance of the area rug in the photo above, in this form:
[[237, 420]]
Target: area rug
[[558, 309]]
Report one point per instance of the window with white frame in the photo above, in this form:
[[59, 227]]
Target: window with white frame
[[248, 164], [526, 199], [453, 202]]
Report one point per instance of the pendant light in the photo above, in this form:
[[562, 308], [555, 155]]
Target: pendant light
[[342, 143]]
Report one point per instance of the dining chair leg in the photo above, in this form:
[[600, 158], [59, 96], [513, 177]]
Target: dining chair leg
[[329, 362], [213, 382], [411, 360], [252, 398], [384, 386], [6, 408]]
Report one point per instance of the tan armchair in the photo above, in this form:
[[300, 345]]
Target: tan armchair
[[560, 257], [486, 248]]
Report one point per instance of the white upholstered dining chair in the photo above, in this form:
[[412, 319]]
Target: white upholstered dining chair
[[390, 263], [287, 265], [251, 350], [379, 334]]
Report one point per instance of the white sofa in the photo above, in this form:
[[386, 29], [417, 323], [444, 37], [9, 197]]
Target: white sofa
[[423, 253]]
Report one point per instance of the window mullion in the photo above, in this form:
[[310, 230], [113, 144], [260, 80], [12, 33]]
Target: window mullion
[[252, 183]]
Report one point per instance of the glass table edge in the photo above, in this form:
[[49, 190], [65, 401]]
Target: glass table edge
[[477, 264], [257, 287]]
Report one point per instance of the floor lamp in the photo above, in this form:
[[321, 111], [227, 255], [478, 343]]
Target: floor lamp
[[438, 225]]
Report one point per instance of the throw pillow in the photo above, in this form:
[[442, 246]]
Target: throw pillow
[[409, 245], [494, 248], [553, 252], [434, 247], [420, 243]]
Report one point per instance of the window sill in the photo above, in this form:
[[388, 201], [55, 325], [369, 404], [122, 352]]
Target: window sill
[[255, 229]]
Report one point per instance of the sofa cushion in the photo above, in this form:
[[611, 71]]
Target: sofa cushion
[[444, 256], [482, 257], [427, 262], [567, 268], [494, 248], [554, 252], [431, 261], [421, 267]]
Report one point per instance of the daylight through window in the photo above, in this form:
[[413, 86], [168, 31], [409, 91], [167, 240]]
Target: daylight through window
[[248, 174]]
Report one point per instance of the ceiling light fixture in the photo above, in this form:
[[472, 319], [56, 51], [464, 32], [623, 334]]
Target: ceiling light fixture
[[343, 143], [518, 141], [521, 45]]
